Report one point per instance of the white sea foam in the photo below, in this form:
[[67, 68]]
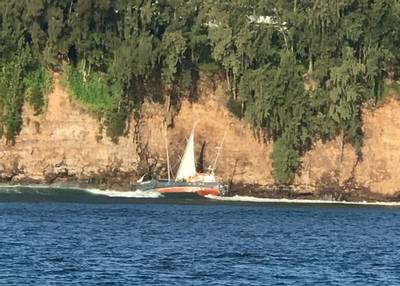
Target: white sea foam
[[98, 192], [295, 201], [128, 194], [5, 186]]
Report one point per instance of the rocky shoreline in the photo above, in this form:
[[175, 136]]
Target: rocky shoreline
[[124, 182], [66, 146]]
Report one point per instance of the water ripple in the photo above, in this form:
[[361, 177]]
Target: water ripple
[[51, 243]]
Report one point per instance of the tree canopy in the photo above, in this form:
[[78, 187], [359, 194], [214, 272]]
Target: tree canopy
[[300, 70]]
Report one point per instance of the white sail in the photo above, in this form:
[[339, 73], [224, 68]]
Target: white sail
[[187, 168]]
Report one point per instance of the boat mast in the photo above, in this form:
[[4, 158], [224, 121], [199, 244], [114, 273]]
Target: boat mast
[[219, 152], [166, 149]]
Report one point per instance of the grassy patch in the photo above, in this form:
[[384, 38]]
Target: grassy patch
[[394, 86], [100, 96], [94, 92]]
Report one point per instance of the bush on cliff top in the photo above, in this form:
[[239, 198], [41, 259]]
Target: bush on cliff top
[[92, 91], [38, 83], [95, 92], [21, 78], [300, 69]]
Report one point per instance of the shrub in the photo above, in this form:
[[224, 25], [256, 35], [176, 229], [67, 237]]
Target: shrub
[[38, 84], [11, 97], [115, 123], [235, 107], [285, 161], [94, 92]]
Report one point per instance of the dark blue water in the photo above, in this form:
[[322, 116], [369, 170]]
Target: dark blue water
[[177, 242]]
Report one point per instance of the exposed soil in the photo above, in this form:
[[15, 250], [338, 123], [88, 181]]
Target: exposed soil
[[67, 144], [64, 144]]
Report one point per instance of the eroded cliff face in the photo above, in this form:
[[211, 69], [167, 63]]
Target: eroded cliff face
[[376, 170], [68, 144], [65, 143], [242, 159], [379, 169]]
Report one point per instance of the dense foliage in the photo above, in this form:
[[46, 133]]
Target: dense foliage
[[21, 78], [299, 69]]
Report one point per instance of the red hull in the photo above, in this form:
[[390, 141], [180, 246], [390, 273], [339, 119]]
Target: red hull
[[198, 190]]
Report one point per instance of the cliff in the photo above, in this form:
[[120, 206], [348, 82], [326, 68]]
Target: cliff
[[67, 144], [64, 143]]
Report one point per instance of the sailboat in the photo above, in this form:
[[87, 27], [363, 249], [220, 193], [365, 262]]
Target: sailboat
[[187, 180]]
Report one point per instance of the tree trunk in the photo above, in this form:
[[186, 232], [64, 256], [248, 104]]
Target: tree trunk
[[84, 69], [310, 64], [228, 80], [234, 85]]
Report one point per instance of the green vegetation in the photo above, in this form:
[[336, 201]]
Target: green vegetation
[[101, 97], [302, 70], [38, 83], [394, 86], [93, 91], [21, 77]]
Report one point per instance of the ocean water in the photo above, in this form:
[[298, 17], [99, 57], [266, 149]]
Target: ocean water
[[85, 237]]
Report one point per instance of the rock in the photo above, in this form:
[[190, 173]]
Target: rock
[[151, 161], [19, 178], [65, 146], [5, 177]]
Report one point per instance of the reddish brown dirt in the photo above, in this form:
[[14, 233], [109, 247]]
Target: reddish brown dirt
[[64, 141], [68, 142], [242, 157]]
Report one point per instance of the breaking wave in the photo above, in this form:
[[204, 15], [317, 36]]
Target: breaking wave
[[298, 201], [69, 194], [129, 194], [43, 193]]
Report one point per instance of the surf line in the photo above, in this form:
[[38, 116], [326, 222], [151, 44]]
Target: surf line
[[97, 192], [292, 201]]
